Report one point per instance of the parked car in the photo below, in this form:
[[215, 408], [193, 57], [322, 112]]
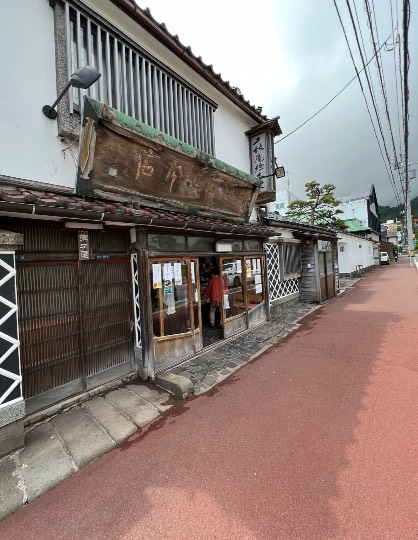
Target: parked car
[[233, 277], [384, 257]]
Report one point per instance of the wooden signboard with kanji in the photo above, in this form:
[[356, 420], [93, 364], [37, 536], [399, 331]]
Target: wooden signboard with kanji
[[120, 157]]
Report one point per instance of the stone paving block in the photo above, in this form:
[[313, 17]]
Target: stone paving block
[[210, 380], [156, 396], [178, 385], [138, 410], [82, 437], [200, 388], [115, 423], [44, 461], [12, 495]]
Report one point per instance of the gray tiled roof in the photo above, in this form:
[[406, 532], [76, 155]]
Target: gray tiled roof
[[20, 199]]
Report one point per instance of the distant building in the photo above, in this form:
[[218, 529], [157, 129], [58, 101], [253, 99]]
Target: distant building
[[392, 234], [362, 204], [283, 199]]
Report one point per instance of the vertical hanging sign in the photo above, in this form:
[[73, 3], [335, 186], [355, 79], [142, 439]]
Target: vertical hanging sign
[[83, 246], [262, 159], [259, 161]]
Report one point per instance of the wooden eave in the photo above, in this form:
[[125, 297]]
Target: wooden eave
[[270, 125]]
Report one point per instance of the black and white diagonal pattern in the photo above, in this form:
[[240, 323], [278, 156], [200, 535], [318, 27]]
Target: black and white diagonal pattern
[[10, 375]]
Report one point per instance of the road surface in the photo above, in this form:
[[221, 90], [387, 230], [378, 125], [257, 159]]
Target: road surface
[[316, 439]]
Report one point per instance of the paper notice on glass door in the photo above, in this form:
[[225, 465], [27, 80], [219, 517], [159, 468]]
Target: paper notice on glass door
[[193, 273], [168, 272], [257, 279], [156, 276], [177, 274], [239, 266], [258, 266], [254, 266], [258, 288]]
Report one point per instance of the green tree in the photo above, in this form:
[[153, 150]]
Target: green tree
[[321, 208]]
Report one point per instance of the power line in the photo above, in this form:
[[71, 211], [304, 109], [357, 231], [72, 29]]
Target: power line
[[393, 181], [388, 170], [364, 47], [381, 75], [336, 95], [396, 84]]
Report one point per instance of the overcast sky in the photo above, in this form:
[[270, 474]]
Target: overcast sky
[[291, 58]]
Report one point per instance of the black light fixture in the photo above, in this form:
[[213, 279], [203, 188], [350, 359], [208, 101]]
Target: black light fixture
[[279, 172], [84, 77]]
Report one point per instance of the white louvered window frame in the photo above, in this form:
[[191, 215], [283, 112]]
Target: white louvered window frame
[[134, 84], [279, 287]]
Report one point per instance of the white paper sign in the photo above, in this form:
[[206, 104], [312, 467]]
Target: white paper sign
[[258, 288], [254, 266], [156, 276], [193, 274], [168, 272], [177, 274], [259, 266], [239, 266], [257, 279]]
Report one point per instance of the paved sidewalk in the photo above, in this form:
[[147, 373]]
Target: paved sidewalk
[[58, 446], [216, 363]]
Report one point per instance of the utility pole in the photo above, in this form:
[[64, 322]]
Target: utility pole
[[404, 172]]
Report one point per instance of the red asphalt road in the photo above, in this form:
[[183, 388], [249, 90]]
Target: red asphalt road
[[315, 439]]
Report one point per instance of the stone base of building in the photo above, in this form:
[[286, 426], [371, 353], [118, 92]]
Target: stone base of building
[[12, 437]]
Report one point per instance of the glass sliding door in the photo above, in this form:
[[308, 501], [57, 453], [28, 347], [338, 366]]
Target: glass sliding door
[[175, 306]]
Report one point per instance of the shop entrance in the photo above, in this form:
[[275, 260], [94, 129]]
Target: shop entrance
[[212, 324], [183, 321], [238, 293]]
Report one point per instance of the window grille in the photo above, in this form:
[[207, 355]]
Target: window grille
[[278, 288], [291, 256], [134, 83]]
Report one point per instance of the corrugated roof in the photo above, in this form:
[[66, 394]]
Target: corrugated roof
[[354, 225]]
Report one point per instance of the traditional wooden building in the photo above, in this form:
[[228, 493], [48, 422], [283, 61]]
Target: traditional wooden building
[[121, 205], [302, 261]]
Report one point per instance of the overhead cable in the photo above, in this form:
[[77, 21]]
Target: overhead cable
[[381, 77], [369, 83], [336, 95], [388, 170]]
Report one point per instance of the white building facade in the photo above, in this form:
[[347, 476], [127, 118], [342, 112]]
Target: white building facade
[[355, 253], [88, 275]]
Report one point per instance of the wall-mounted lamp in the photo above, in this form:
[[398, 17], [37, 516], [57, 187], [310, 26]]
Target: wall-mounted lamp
[[83, 78], [279, 172]]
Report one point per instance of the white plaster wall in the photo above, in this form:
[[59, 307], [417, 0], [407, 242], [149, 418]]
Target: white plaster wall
[[354, 255], [230, 122], [29, 145]]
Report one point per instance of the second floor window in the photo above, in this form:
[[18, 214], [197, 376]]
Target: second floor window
[[136, 84]]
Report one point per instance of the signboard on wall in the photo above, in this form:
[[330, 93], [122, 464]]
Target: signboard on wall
[[83, 246], [120, 156]]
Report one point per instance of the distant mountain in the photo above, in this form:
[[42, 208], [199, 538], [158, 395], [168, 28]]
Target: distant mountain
[[394, 212]]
